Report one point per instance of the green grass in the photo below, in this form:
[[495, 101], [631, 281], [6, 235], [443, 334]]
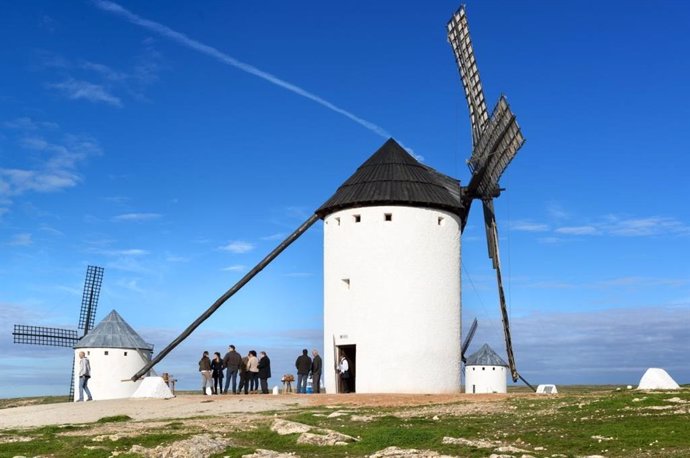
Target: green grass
[[563, 424], [114, 419]]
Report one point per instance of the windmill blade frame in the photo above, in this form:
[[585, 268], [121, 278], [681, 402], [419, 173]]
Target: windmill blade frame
[[89, 299], [41, 335], [492, 242], [468, 340], [459, 38]]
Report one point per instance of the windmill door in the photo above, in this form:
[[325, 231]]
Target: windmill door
[[348, 385]]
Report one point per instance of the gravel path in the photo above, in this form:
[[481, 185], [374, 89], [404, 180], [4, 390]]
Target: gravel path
[[142, 409], [185, 406]]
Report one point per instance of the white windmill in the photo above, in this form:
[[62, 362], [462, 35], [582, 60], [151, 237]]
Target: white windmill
[[392, 254]]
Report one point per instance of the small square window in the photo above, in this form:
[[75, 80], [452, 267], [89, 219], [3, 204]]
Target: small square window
[[337, 220], [358, 218], [125, 353], [440, 221], [105, 353], [388, 216], [346, 283], [483, 368]]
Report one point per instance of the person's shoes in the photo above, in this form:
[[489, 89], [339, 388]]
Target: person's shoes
[[90, 399]]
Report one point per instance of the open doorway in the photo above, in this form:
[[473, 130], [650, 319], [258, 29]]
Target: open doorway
[[348, 385]]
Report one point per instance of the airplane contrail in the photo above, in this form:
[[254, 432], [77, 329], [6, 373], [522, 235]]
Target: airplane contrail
[[220, 56]]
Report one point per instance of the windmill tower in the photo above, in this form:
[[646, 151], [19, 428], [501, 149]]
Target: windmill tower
[[115, 351], [58, 337], [392, 254], [485, 372]]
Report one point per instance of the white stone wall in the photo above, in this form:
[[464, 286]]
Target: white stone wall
[[392, 288], [485, 379], [108, 371]]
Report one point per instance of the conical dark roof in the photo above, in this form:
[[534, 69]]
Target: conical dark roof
[[113, 332], [391, 176], [485, 356]]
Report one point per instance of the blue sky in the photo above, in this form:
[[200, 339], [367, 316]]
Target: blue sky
[[176, 144]]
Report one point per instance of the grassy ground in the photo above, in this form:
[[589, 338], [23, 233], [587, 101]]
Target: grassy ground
[[580, 421]]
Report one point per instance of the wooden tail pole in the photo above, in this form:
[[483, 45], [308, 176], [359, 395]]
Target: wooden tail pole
[[228, 294]]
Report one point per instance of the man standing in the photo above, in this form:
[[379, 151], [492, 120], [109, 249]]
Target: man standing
[[232, 361], [316, 371], [84, 376], [205, 371], [264, 366], [303, 365]]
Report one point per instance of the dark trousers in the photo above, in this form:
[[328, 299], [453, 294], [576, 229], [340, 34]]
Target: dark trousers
[[316, 382], [302, 382], [217, 384], [244, 382], [253, 381], [264, 385], [231, 374]]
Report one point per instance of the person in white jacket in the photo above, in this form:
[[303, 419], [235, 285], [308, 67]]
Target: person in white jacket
[[344, 371], [84, 376]]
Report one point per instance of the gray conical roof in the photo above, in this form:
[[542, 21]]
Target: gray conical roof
[[391, 176], [485, 356], [113, 332]]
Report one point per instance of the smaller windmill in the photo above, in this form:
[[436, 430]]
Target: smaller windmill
[[59, 337]]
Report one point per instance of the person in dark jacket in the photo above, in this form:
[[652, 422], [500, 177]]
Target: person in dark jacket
[[205, 371], [264, 371], [232, 361], [316, 365], [303, 365], [244, 376], [217, 373]]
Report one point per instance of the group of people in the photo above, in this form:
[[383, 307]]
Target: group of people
[[305, 367], [252, 370]]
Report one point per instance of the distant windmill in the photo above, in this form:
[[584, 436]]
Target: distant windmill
[[391, 251], [58, 337]]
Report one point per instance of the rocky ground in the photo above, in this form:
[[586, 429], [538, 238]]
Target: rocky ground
[[377, 426]]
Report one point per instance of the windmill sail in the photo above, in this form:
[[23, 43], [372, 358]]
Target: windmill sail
[[495, 142], [468, 339], [89, 299], [459, 38], [40, 335]]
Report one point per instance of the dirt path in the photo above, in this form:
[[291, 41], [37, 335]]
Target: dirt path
[[186, 406]]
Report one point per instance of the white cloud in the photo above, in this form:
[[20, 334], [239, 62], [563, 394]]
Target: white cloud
[[77, 90], [23, 239], [105, 71], [298, 274], [131, 252], [234, 268], [25, 123], [595, 347], [137, 217], [578, 230], [529, 226], [641, 227], [274, 237], [57, 159], [238, 247]]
